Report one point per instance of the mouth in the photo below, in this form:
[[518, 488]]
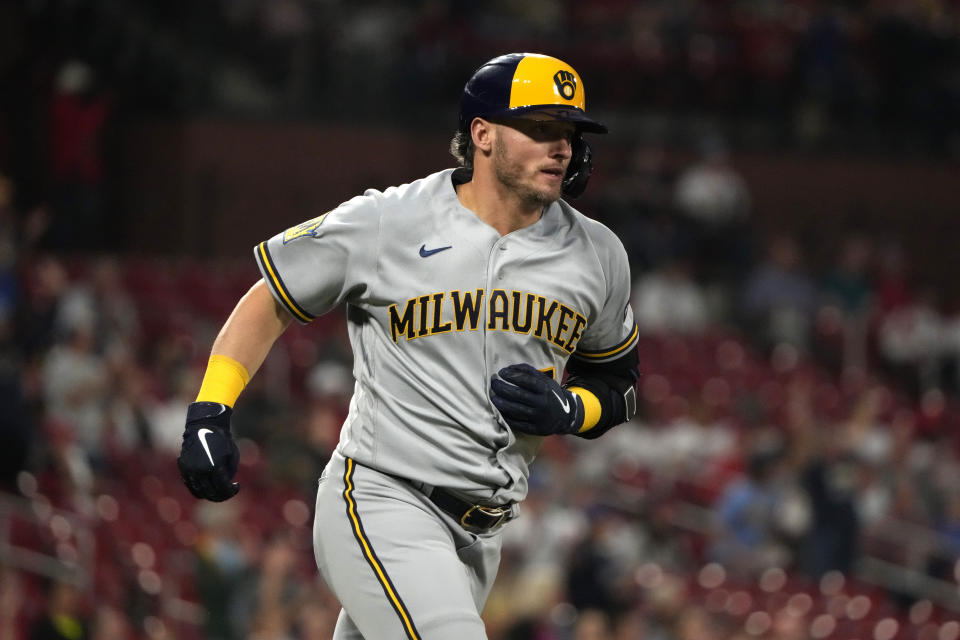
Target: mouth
[[553, 172]]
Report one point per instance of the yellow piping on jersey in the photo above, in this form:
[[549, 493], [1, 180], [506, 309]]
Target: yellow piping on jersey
[[279, 287], [371, 557], [606, 354]]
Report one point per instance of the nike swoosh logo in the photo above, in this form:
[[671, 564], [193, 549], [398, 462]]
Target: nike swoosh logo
[[564, 404], [426, 253], [202, 434]]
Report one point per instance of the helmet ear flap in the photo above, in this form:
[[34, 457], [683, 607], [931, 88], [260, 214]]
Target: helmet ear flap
[[579, 169]]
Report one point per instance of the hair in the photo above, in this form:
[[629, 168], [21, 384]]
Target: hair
[[462, 149]]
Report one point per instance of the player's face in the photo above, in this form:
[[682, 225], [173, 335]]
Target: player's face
[[530, 157]]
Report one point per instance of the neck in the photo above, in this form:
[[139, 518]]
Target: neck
[[495, 205]]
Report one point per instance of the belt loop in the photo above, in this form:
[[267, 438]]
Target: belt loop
[[422, 487]]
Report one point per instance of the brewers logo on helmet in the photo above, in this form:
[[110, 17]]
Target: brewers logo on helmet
[[520, 83]]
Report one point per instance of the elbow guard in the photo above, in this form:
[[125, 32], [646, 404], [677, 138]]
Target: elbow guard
[[608, 390]]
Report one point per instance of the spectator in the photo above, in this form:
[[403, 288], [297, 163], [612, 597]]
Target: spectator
[[778, 299], [714, 198], [598, 569], [127, 405], [277, 589], [849, 285], [75, 386], [78, 114], [663, 544], [47, 282], [638, 206], [104, 304], [831, 469], [668, 300], [747, 536], [223, 570], [910, 341], [165, 417], [891, 283], [848, 294], [549, 528], [67, 458]]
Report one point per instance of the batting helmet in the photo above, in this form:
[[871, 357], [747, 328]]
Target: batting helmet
[[520, 83]]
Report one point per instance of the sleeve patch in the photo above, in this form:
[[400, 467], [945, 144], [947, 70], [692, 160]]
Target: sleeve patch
[[306, 229]]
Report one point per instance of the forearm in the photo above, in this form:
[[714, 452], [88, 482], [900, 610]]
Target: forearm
[[607, 390], [242, 344], [209, 457]]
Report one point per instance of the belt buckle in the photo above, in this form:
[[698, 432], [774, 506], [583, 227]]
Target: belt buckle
[[493, 512]]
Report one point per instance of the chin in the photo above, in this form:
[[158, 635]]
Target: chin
[[549, 196], [541, 197], [545, 192]]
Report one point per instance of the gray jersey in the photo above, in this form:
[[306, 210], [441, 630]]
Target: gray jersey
[[438, 303]]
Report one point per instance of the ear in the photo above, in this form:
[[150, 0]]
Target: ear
[[482, 133]]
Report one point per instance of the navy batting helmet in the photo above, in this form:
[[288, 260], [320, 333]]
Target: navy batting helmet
[[520, 83]]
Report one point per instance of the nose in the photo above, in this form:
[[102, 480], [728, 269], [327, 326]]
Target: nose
[[561, 148]]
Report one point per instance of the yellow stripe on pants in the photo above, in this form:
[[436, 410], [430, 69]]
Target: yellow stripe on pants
[[371, 557]]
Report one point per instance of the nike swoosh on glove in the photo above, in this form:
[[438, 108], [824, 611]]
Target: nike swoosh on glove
[[533, 402], [208, 456]]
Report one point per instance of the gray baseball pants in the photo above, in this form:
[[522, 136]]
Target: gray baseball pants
[[400, 567]]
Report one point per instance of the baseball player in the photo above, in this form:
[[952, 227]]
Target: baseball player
[[468, 293]]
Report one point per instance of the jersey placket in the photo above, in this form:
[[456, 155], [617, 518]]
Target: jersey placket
[[497, 262], [493, 360]]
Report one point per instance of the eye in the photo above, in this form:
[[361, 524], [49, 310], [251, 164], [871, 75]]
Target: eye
[[552, 130]]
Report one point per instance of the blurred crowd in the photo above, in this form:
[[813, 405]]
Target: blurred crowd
[[792, 474], [702, 259], [868, 72], [794, 419]]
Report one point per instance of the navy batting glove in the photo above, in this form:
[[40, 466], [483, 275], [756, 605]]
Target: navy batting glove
[[533, 402], [209, 456]]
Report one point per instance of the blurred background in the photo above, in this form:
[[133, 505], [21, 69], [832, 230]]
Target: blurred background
[[785, 175]]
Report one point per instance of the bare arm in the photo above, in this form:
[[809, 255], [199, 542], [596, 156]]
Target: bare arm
[[209, 457], [254, 325]]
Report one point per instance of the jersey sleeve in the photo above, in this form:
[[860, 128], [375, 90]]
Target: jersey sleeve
[[315, 266], [614, 332]]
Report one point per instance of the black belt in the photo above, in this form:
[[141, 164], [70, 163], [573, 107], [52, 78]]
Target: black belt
[[476, 517]]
